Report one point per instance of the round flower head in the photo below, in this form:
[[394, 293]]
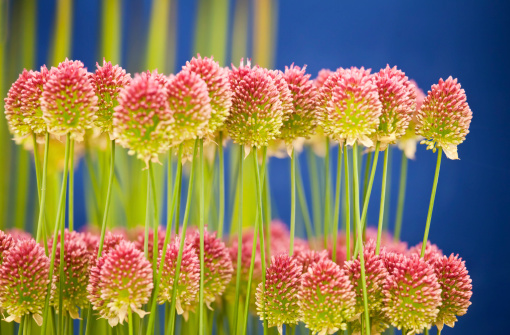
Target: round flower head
[[256, 115], [68, 102], [76, 268], [278, 301], [24, 280], [326, 298], [444, 117], [125, 282], [189, 277], [142, 121], [456, 289], [13, 107], [140, 241], [387, 241], [397, 96], [303, 117], [6, 242], [412, 295], [375, 273], [341, 249], [351, 106], [190, 103], [432, 252], [107, 81], [218, 86], [306, 257], [322, 76], [217, 265], [407, 143], [31, 97]]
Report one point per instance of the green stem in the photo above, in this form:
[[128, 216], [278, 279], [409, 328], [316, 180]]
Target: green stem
[[221, 214], [302, 203], [108, 197], [401, 197], [266, 202], [201, 326], [360, 232], [93, 180], [327, 196], [22, 168], [155, 224], [130, 321], [383, 198], [292, 201], [147, 217], [42, 204], [431, 205], [21, 324], [239, 236], [336, 217], [365, 177], [71, 188], [348, 205], [315, 187]]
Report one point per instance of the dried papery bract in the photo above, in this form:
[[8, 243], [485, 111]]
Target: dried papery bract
[[444, 117], [397, 96], [107, 81], [326, 298], [68, 102], [218, 86], [31, 97], [142, 122], [278, 301], [24, 280], [13, 107], [456, 289]]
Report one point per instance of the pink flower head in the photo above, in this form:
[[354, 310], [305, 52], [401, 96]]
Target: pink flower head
[[125, 282], [140, 241], [408, 142], [256, 115], [68, 102], [91, 243], [306, 257], [6, 242], [107, 81], [218, 268], [351, 106], [375, 274], [189, 277], [456, 289], [412, 295], [326, 298], [277, 302], [76, 270], [303, 117], [31, 97], [24, 280], [13, 107], [218, 86], [322, 76], [420, 96], [432, 252], [387, 241], [341, 249], [397, 96], [444, 117], [142, 122], [279, 239]]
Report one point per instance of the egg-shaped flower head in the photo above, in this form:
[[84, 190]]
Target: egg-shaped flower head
[[306, 257], [107, 81], [75, 270], [31, 98], [412, 295], [142, 122], [16, 121], [69, 103], [375, 273], [24, 280], [277, 302], [444, 117], [397, 96], [408, 142], [188, 282], [303, 117], [218, 267], [218, 87], [326, 298], [125, 282], [350, 105], [6, 242], [256, 115], [456, 289]]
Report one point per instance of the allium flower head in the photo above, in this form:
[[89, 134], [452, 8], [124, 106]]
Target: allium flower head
[[326, 298], [256, 115], [125, 282], [278, 301], [397, 96], [6, 242], [24, 280], [341, 249], [190, 103], [303, 117], [218, 87], [13, 107], [189, 277], [306, 257], [409, 140], [432, 252], [322, 76], [217, 265], [351, 107], [444, 117], [68, 102], [140, 241], [412, 295], [142, 121], [76, 269], [456, 289], [107, 81], [31, 98]]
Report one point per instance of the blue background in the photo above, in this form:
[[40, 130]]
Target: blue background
[[428, 40]]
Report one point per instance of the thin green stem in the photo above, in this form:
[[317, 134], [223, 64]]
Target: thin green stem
[[130, 321], [93, 180], [315, 187], [155, 224], [71, 189], [221, 213], [239, 236], [327, 195], [108, 197], [365, 176], [359, 234], [383, 198], [292, 201], [302, 202], [201, 316], [22, 168], [21, 324], [401, 197], [147, 217], [266, 202], [336, 216], [42, 204], [432, 198], [348, 205]]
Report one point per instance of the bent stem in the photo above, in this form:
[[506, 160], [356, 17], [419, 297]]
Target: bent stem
[[431, 205], [336, 216], [42, 196], [401, 197], [360, 232], [239, 236], [383, 198]]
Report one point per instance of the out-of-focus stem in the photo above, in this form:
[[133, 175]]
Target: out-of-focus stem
[[327, 195], [239, 236], [401, 197], [336, 216], [292, 201], [383, 198]]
